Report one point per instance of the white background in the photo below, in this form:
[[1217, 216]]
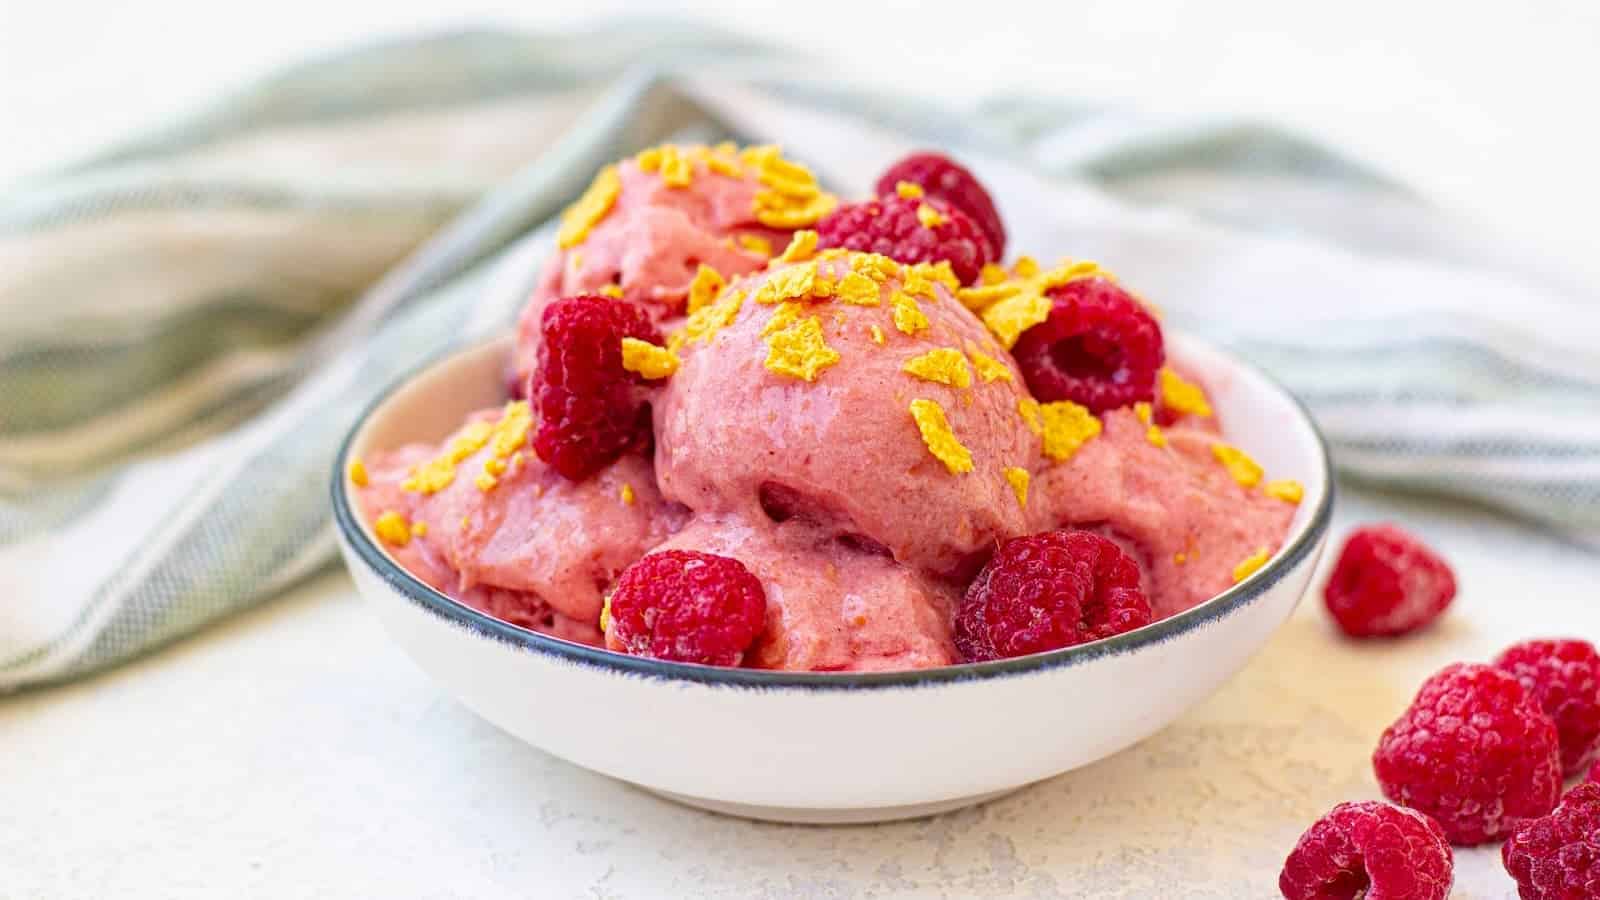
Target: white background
[[1490, 108]]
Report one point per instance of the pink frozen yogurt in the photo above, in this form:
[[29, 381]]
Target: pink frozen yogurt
[[657, 233], [848, 428]]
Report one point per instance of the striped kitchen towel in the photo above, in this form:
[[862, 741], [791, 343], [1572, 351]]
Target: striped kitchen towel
[[193, 320]]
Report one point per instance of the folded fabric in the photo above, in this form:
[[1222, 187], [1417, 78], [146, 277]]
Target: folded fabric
[[193, 321]]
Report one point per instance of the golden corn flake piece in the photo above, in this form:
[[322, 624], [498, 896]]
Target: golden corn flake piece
[[992, 273], [1287, 490], [823, 288], [801, 246], [705, 287], [676, 170], [511, 432], [800, 351], [928, 216], [1019, 478], [1009, 318], [980, 297], [1251, 564], [704, 324], [647, 360], [437, 474], [858, 290], [908, 190], [755, 243], [392, 528], [649, 160], [1143, 412], [875, 266], [419, 529], [605, 615], [628, 496], [945, 365], [908, 316], [590, 208], [793, 283], [614, 291], [1067, 427], [1028, 409], [939, 437], [1244, 470], [358, 473], [486, 482], [785, 315], [989, 368], [1025, 267], [1155, 436], [878, 336], [1182, 396]]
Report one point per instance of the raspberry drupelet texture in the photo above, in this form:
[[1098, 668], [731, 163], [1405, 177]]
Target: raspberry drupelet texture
[[1387, 582], [909, 230], [686, 606], [590, 408], [1557, 857], [1564, 677], [1047, 591], [1100, 348], [1474, 751], [1370, 850], [945, 179]]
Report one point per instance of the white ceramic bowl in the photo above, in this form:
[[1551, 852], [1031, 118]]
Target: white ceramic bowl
[[819, 747]]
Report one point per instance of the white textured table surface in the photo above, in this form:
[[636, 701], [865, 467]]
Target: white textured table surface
[[295, 752]]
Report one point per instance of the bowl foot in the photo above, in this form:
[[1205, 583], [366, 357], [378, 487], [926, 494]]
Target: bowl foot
[[802, 815]]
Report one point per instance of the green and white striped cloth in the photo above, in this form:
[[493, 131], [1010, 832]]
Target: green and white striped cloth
[[192, 321]]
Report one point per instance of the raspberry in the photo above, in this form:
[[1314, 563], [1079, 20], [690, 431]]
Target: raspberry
[[1048, 591], [1100, 348], [1386, 583], [1564, 677], [590, 408], [1474, 751], [1557, 857], [687, 606], [889, 225], [949, 182], [1371, 850]]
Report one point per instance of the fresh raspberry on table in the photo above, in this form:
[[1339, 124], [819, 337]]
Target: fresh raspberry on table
[[893, 226], [1100, 348], [1563, 676], [1386, 583], [1474, 751], [1557, 857], [1047, 591], [686, 606], [1371, 850], [946, 180], [590, 408]]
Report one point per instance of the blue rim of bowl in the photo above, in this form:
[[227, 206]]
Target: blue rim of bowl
[[458, 613]]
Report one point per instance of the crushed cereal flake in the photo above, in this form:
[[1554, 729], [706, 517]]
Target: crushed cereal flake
[[628, 496], [1019, 478], [419, 529], [858, 290], [908, 190], [787, 313], [704, 324], [1028, 409], [796, 282], [648, 360], [392, 528], [614, 291], [928, 216], [877, 336], [800, 351], [939, 437], [801, 247], [908, 316], [1182, 396], [704, 289], [1251, 564], [989, 368], [946, 365], [358, 473], [1067, 427], [1287, 490], [438, 473], [755, 243], [590, 208], [1246, 471]]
